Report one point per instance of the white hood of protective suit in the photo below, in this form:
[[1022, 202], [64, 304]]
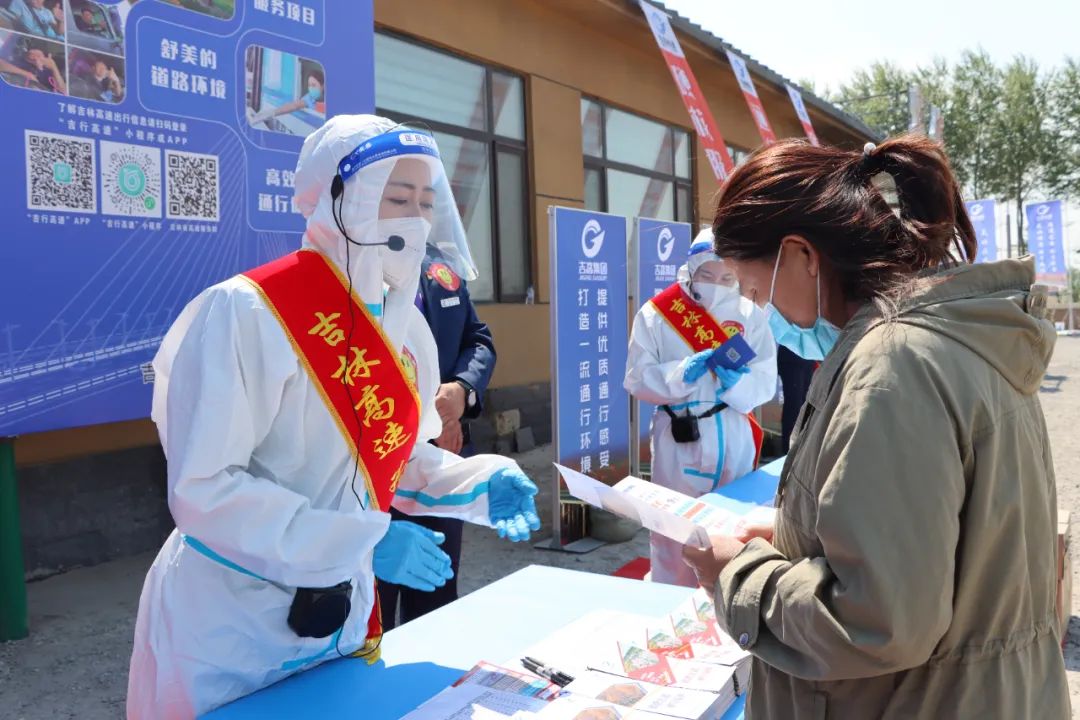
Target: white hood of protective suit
[[362, 260], [730, 302]]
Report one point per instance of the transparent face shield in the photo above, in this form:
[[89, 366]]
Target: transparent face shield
[[394, 187], [711, 280], [713, 271]]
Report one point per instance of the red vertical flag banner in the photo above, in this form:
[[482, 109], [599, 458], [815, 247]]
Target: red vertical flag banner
[[757, 110], [711, 140], [804, 117]]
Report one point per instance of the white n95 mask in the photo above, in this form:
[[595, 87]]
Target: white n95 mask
[[709, 295], [403, 252]]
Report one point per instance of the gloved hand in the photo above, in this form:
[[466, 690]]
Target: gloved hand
[[510, 504], [728, 378], [409, 555], [697, 365]]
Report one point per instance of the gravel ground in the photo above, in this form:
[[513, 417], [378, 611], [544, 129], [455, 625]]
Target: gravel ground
[[74, 664]]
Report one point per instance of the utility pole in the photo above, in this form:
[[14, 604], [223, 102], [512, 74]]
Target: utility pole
[[1008, 234]]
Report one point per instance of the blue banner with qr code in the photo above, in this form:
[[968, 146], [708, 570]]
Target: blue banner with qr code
[[151, 150], [590, 338]]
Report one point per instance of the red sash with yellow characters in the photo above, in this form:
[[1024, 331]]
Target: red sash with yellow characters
[[367, 387], [701, 332]]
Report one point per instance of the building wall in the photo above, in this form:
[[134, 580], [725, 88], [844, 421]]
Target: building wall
[[90, 494], [566, 49]]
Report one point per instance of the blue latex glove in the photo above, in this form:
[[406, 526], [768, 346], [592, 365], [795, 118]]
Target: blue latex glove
[[728, 378], [409, 555], [511, 506], [697, 365]]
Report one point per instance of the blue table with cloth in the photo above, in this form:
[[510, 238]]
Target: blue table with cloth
[[425, 656]]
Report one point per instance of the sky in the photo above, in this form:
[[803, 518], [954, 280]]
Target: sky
[[828, 46], [800, 41]]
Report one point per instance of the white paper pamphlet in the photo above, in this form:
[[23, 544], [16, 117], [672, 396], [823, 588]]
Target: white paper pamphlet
[[475, 702], [676, 516], [509, 681], [640, 695], [579, 707]]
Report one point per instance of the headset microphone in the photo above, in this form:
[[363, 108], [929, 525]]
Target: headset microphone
[[395, 243]]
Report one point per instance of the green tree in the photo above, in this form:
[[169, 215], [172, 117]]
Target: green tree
[[1064, 161], [1011, 132], [935, 83], [970, 111], [878, 95], [809, 85], [1022, 136]]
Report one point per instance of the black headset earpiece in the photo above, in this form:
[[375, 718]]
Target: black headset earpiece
[[337, 187]]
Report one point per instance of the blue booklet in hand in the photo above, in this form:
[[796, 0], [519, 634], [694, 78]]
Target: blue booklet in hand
[[733, 354]]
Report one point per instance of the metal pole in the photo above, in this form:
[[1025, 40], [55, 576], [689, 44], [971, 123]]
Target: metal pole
[[13, 622], [1008, 234], [1069, 272], [553, 308], [632, 255]]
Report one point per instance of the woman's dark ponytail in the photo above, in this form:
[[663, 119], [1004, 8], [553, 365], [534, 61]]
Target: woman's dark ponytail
[[840, 201]]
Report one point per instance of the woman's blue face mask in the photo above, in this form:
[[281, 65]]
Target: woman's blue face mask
[[812, 343]]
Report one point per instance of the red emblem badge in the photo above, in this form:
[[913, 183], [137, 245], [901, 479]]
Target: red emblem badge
[[444, 276], [731, 328]]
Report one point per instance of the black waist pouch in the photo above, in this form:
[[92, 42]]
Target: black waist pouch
[[320, 612], [684, 428]]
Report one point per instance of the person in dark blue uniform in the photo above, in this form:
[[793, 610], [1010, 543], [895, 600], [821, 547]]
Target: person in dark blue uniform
[[466, 362], [795, 376]]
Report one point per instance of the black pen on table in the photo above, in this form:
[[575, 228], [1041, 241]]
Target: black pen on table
[[556, 676]]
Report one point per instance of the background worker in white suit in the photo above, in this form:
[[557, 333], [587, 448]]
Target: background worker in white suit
[[665, 370]]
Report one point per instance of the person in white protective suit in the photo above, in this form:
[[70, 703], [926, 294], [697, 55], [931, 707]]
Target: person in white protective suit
[[663, 369], [281, 511]]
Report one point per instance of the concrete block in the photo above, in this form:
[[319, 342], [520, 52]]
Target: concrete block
[[524, 440], [92, 509], [507, 421], [504, 444]]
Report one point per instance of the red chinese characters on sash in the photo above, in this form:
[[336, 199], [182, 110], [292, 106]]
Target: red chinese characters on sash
[[701, 332], [364, 386], [692, 322]]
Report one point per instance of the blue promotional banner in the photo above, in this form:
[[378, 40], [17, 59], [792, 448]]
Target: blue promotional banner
[[660, 249], [151, 150], [983, 220], [589, 340], [1046, 241]]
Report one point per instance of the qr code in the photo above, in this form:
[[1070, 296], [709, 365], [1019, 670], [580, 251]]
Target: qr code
[[60, 173], [130, 180], [192, 186]]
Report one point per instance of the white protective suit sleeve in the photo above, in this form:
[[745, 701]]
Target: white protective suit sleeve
[[759, 385], [648, 379], [437, 482], [221, 404], [440, 483]]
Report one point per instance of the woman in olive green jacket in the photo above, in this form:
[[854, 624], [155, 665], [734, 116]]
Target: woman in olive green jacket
[[911, 570]]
